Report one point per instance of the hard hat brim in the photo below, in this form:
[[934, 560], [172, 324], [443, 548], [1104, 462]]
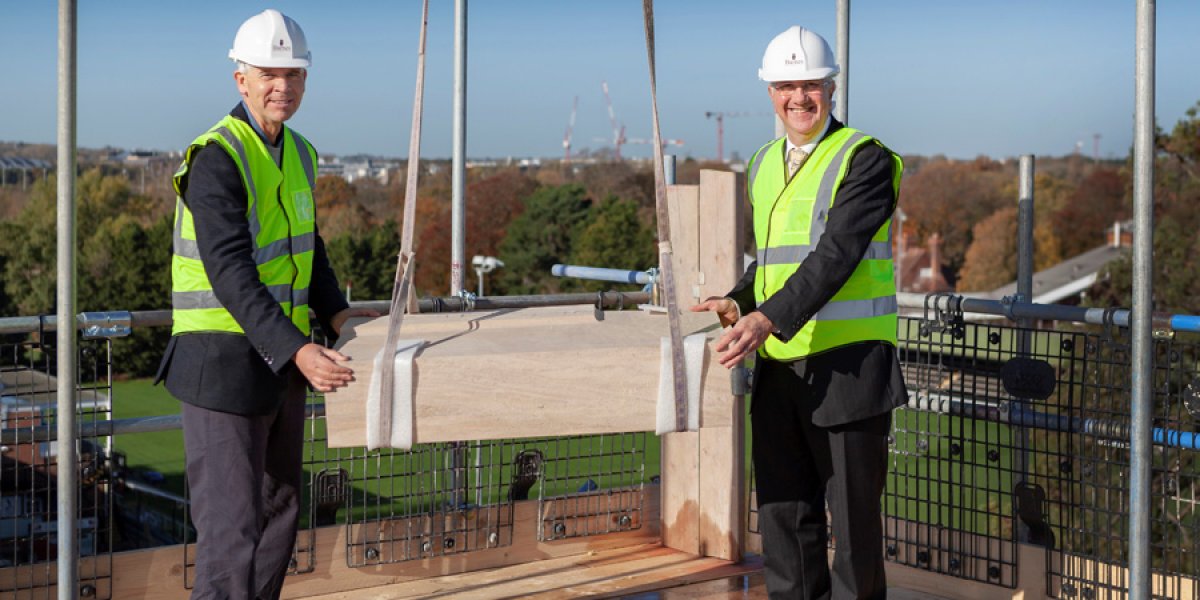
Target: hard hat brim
[[276, 63], [772, 76]]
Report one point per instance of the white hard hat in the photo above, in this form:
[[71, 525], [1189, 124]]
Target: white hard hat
[[271, 39], [797, 54]]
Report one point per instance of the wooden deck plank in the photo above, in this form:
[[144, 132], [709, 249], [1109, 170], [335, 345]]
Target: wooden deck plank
[[606, 573]]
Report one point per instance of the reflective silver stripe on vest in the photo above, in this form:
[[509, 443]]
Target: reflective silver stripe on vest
[[181, 246], [241, 152], [756, 161], [824, 198], [305, 160], [252, 218], [300, 244], [300, 297], [792, 255], [857, 309], [208, 299]]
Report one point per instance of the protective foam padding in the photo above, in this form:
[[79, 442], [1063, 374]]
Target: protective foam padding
[[400, 435], [694, 348]]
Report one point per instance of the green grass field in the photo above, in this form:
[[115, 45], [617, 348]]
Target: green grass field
[[160, 451], [934, 475], [608, 461]]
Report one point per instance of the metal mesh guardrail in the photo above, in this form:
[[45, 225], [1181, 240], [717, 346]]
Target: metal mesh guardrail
[[395, 506], [28, 490], [1010, 435], [1023, 435]]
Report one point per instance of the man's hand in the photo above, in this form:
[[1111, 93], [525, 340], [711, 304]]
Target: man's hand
[[743, 338], [725, 308], [339, 319], [320, 367]]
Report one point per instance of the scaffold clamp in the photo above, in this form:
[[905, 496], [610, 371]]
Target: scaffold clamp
[[101, 325]]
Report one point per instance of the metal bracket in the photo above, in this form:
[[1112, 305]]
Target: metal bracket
[[948, 319], [599, 313], [741, 380], [98, 325], [1109, 333], [1160, 327], [468, 298], [330, 490], [1007, 304]]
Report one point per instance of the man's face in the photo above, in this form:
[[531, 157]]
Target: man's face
[[802, 106], [273, 94]]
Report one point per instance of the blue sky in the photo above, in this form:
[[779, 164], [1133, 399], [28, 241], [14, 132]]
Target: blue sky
[[959, 78]]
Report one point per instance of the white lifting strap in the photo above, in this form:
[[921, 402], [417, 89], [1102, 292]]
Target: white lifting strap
[[405, 262], [678, 368]]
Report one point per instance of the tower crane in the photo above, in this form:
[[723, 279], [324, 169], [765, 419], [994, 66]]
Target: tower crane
[[618, 130], [570, 128], [720, 117]]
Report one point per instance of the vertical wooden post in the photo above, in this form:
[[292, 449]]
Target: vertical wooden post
[[703, 497]]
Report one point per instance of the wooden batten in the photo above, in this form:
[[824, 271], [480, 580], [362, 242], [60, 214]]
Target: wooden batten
[[703, 477]]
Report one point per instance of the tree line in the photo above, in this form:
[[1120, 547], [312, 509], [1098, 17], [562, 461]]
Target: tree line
[[599, 214]]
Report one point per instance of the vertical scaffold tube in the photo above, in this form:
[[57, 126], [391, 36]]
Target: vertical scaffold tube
[[68, 462], [1142, 372], [841, 105], [458, 208]]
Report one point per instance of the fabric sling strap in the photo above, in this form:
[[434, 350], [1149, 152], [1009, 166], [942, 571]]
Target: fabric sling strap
[[404, 263], [665, 253]]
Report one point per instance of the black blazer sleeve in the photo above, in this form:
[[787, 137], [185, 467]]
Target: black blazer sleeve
[[216, 198], [864, 202]]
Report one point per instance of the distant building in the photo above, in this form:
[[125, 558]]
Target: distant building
[[357, 168], [920, 269], [1066, 281]]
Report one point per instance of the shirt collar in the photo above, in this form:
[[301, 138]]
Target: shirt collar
[[254, 123], [809, 147]]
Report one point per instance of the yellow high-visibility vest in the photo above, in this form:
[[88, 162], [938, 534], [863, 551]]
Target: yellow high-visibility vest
[[789, 220], [281, 212]]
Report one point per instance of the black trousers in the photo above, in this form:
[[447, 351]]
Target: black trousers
[[244, 478], [798, 468]]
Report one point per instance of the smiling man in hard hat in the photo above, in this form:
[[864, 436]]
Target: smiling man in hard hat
[[248, 266], [819, 307]]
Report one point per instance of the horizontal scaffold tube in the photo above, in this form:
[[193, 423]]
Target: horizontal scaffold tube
[[1015, 412], [600, 274], [162, 318]]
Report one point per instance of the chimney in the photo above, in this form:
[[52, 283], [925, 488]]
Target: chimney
[[937, 282]]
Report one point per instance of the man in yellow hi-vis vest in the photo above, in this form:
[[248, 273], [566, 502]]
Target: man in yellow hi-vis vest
[[819, 307], [247, 267]]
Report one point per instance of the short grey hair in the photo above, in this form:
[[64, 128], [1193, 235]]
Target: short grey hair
[[244, 68]]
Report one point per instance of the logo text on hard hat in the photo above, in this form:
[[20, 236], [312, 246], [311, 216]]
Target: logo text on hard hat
[[283, 47]]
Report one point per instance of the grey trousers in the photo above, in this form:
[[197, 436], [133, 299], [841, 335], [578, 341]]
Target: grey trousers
[[244, 479]]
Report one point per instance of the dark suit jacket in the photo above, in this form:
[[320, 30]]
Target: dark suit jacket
[[859, 380], [241, 374]]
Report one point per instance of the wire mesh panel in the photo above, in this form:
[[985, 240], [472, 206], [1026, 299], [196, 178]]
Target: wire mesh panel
[[29, 539], [1095, 559], [981, 454], [591, 485], [434, 500]]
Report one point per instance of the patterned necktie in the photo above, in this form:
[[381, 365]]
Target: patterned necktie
[[795, 160]]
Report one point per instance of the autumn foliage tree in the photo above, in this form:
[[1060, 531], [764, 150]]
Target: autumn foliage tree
[[950, 197], [1176, 277], [1090, 210]]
